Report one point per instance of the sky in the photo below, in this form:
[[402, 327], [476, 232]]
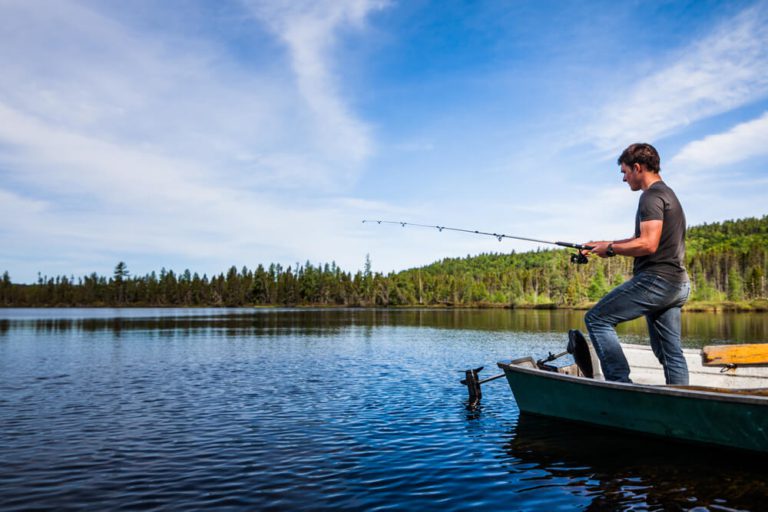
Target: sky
[[197, 134]]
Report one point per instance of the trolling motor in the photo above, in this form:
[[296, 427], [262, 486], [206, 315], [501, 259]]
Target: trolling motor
[[472, 381], [577, 347], [578, 258]]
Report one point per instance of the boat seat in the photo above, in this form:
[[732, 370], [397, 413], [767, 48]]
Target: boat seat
[[745, 354]]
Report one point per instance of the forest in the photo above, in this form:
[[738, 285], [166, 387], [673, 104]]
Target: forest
[[727, 262]]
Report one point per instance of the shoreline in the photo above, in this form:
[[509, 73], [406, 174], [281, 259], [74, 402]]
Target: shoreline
[[753, 306]]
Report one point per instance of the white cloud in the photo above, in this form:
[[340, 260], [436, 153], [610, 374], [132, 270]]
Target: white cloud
[[743, 141], [169, 207], [82, 70], [115, 141], [309, 28], [12, 204], [725, 70]]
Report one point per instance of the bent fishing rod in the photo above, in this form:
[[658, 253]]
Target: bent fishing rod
[[579, 257]]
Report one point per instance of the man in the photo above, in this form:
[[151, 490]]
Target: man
[[659, 286]]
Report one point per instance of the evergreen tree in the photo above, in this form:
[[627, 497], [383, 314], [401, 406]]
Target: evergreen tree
[[119, 276], [735, 284], [5, 289]]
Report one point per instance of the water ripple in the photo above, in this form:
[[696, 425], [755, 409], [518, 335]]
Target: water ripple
[[334, 413]]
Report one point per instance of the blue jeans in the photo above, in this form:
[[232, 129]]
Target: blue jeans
[[660, 301]]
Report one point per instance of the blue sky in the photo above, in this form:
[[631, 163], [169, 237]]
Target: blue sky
[[196, 134]]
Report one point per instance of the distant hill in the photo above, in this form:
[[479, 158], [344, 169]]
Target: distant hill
[[726, 260]]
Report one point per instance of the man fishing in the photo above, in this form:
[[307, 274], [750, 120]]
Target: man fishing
[[659, 286]]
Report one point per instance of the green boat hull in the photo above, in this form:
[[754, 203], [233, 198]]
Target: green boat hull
[[737, 421]]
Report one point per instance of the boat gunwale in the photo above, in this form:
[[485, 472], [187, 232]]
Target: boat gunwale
[[514, 366]]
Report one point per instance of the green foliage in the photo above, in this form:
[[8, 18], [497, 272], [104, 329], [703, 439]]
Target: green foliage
[[598, 286], [735, 284], [727, 260], [5, 289]]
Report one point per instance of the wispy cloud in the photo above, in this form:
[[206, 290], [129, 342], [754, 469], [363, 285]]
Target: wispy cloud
[[116, 141], [743, 141], [725, 70], [82, 70], [310, 30], [114, 201]]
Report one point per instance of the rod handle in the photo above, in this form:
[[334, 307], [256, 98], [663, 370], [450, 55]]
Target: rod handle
[[575, 246]]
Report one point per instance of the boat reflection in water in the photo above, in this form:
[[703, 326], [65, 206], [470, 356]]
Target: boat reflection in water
[[617, 470]]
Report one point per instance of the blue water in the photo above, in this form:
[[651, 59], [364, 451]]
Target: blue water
[[315, 409]]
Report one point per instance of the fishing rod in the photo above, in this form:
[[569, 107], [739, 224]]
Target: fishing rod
[[579, 257]]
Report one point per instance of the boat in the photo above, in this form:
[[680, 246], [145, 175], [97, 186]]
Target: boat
[[725, 404]]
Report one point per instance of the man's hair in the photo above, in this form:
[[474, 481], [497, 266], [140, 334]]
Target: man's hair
[[641, 153]]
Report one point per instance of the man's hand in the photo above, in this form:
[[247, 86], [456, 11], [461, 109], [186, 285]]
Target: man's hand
[[643, 245], [599, 248]]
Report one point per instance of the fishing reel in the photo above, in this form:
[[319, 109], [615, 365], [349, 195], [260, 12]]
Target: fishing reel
[[579, 258]]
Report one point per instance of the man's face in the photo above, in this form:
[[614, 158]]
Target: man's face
[[631, 176]]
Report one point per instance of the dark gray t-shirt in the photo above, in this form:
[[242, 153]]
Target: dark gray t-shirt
[[659, 202]]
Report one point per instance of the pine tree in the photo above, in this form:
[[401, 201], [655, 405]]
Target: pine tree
[[5, 289], [119, 276], [735, 284]]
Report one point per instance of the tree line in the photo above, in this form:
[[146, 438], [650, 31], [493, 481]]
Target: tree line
[[726, 261]]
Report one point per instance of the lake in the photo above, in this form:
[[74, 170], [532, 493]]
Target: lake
[[285, 409]]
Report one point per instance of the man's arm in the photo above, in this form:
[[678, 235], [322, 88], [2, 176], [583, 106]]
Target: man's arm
[[643, 245]]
